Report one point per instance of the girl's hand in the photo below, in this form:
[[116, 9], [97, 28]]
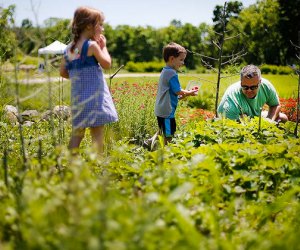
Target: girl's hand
[[101, 40], [99, 50]]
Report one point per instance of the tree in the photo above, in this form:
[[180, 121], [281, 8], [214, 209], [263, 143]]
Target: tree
[[57, 29], [144, 43], [26, 24], [7, 38], [176, 23], [221, 60], [289, 26], [232, 11], [25, 35], [190, 37], [122, 48], [259, 26]]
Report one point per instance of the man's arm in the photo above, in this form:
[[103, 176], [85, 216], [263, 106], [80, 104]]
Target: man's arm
[[273, 112], [229, 110]]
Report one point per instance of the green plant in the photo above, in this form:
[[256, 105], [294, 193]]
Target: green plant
[[144, 66], [203, 100], [274, 69]]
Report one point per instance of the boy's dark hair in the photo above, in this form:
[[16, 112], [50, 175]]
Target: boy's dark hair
[[172, 49]]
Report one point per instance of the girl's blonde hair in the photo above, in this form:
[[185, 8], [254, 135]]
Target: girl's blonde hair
[[83, 17]]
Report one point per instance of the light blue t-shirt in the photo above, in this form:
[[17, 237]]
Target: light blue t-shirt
[[234, 103], [166, 99]]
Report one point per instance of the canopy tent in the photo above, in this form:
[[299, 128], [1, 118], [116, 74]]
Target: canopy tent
[[54, 48]]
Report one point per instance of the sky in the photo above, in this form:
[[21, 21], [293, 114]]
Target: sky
[[156, 13]]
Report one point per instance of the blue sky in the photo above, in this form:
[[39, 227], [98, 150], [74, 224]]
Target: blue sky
[[156, 13]]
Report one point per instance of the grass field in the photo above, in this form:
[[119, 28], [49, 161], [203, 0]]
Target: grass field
[[36, 96], [219, 185]]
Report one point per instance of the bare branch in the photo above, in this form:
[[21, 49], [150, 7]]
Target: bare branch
[[203, 79], [198, 54], [230, 75], [234, 59], [217, 45], [117, 71], [236, 54], [296, 46], [217, 33], [208, 65], [227, 31], [231, 61], [35, 10], [232, 37]]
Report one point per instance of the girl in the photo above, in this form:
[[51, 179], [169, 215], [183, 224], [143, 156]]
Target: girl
[[92, 104]]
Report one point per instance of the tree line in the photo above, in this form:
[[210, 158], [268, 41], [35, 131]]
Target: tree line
[[264, 30]]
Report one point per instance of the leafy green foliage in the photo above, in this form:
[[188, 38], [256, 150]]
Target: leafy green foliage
[[233, 8], [8, 38], [203, 101], [258, 26], [274, 69], [134, 103], [221, 184], [144, 66]]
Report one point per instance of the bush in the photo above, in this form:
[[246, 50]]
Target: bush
[[144, 66], [201, 70], [204, 100], [284, 70], [274, 69], [28, 60]]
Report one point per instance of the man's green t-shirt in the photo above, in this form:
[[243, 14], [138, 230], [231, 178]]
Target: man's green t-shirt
[[234, 103]]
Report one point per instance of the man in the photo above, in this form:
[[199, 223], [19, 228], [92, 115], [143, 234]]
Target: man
[[249, 95]]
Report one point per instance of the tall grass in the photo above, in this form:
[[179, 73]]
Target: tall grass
[[134, 98]]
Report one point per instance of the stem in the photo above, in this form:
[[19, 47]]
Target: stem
[[298, 106], [47, 67], [114, 74], [220, 60], [298, 97], [5, 168], [259, 122], [19, 117]]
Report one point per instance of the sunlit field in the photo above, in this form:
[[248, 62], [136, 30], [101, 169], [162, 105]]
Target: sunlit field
[[35, 95], [219, 185]]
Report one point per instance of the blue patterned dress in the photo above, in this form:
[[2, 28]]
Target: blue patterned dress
[[92, 104]]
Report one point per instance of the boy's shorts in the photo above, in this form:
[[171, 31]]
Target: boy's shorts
[[167, 126]]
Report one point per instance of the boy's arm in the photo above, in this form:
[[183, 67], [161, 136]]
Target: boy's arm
[[181, 93], [184, 93]]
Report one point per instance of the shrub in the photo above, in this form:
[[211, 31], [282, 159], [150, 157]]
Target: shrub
[[144, 66], [274, 69], [28, 60], [204, 100], [284, 70], [201, 70]]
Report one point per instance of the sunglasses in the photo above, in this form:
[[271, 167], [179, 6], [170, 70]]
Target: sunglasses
[[244, 87]]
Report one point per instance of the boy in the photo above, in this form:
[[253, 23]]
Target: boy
[[169, 90]]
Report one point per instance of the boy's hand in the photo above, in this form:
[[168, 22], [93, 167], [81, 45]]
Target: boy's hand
[[184, 93], [195, 89]]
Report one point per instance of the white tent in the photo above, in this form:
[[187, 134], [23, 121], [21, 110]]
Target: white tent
[[54, 48]]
